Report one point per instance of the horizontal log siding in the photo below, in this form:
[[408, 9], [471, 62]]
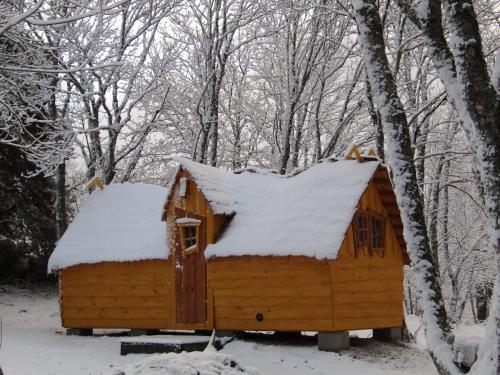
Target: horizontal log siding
[[118, 295], [368, 290], [292, 293]]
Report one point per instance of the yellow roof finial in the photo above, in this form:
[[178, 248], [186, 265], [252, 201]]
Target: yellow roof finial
[[96, 181], [372, 152], [354, 151]]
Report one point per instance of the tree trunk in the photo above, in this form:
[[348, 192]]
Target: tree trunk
[[317, 129], [483, 296], [400, 159], [286, 135], [421, 137], [376, 122], [214, 129], [298, 135], [61, 223]]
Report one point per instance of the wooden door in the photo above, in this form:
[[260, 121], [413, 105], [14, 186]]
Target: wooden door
[[191, 276]]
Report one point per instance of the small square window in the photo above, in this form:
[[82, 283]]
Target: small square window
[[189, 234], [189, 239], [369, 232]]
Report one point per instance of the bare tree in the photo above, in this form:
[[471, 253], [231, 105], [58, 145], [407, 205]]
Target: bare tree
[[400, 159]]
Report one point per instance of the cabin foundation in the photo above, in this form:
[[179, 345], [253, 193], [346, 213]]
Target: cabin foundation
[[79, 332], [387, 334], [220, 333], [333, 341], [143, 332]]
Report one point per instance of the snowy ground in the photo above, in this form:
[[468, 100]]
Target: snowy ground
[[35, 343]]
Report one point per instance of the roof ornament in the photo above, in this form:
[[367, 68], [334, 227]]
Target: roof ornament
[[372, 152], [354, 151], [95, 181]]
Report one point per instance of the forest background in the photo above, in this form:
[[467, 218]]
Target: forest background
[[114, 87]]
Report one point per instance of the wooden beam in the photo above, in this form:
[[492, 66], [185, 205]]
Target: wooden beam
[[383, 184], [354, 151], [387, 195], [96, 181], [372, 152]]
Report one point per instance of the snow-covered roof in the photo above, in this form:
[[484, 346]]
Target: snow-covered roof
[[121, 223], [304, 214], [213, 183]]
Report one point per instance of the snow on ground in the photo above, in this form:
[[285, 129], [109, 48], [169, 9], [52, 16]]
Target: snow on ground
[[194, 363], [35, 343]]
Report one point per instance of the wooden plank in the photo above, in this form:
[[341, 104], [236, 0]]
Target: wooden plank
[[387, 195], [382, 184], [260, 283], [369, 310], [234, 324], [269, 262], [302, 272], [271, 267], [275, 292], [364, 260], [332, 299], [210, 227], [114, 313], [99, 279], [370, 286], [392, 210], [113, 291], [118, 323], [367, 323], [118, 301], [210, 305], [347, 250], [120, 268], [220, 225], [191, 326], [274, 313], [355, 298], [343, 274], [311, 302]]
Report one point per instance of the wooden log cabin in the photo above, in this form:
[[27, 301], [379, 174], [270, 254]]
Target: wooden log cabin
[[320, 250]]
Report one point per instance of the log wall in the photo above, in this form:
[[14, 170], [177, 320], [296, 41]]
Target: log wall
[[368, 289], [291, 293], [299, 293], [118, 295]]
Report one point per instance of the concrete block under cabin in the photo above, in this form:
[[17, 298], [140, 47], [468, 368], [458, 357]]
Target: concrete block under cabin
[[321, 250], [333, 341], [387, 334], [165, 344]]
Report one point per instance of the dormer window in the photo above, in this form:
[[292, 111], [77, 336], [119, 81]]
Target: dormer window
[[189, 229]]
